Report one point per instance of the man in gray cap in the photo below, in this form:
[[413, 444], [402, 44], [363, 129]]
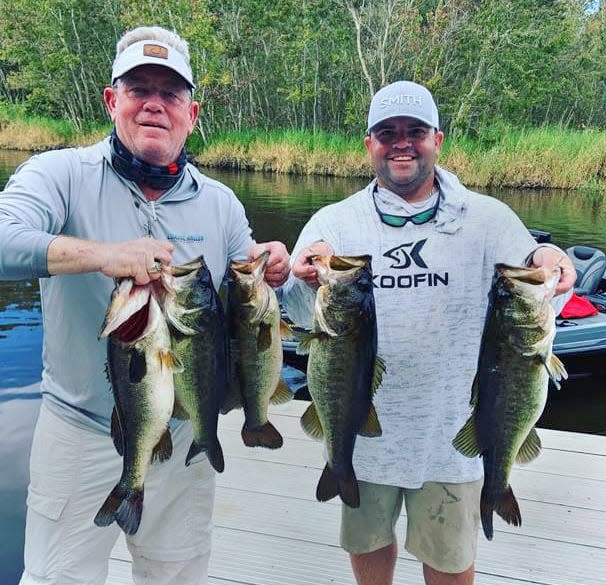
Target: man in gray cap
[[434, 245], [128, 206]]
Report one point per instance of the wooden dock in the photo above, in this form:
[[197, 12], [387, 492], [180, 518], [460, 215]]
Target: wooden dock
[[270, 530]]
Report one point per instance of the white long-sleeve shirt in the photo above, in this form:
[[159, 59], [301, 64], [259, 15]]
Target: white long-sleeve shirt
[[431, 292]]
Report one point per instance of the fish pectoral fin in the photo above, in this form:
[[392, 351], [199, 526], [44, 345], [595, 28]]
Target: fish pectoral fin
[[466, 441], [116, 432], [304, 344], [530, 449], [169, 360], [310, 423], [371, 426], [556, 370], [379, 370], [179, 411], [282, 393], [164, 448], [264, 337], [286, 331]]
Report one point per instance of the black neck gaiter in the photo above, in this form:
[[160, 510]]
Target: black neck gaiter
[[130, 167]]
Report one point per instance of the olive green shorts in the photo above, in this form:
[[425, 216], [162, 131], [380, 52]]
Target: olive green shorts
[[442, 522]]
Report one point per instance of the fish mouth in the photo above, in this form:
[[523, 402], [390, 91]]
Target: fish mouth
[[134, 327], [333, 268], [256, 267], [127, 301], [527, 275], [188, 267]]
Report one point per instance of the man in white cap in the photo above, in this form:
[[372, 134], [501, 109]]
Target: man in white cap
[[77, 218], [433, 245]]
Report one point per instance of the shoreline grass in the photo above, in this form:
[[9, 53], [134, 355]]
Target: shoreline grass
[[546, 157]]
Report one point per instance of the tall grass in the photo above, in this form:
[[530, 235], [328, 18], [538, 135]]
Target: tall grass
[[288, 151], [540, 157], [499, 156], [22, 131]]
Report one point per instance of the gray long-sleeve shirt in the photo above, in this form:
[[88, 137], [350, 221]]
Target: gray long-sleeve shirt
[[431, 291], [76, 192]]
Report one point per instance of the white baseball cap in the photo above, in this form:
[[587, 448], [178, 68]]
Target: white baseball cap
[[403, 98], [152, 52]]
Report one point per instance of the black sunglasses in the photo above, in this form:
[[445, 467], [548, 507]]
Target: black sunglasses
[[401, 220]]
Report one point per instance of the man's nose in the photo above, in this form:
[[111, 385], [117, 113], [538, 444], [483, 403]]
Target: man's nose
[[154, 101], [402, 140]]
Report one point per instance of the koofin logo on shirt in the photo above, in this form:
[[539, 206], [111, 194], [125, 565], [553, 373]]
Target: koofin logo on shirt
[[404, 254], [407, 256]]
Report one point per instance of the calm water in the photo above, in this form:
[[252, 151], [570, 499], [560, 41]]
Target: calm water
[[278, 207]]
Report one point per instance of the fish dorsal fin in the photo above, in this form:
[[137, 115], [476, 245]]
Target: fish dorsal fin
[[164, 448], [556, 370], [170, 361], [379, 370], [466, 441], [264, 337], [116, 432], [371, 426], [530, 449], [310, 423], [282, 393]]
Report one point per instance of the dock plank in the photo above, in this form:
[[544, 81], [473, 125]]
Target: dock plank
[[270, 530]]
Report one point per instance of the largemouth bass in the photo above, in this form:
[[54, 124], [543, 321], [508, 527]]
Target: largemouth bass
[[510, 388], [199, 340], [255, 326], [343, 369], [140, 366]]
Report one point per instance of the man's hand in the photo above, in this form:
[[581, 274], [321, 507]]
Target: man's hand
[[302, 267], [278, 268], [547, 257], [141, 259]]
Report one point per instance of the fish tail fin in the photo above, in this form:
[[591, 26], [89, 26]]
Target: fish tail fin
[[330, 486], [486, 516], [106, 514], [507, 508], [128, 514], [125, 506], [263, 436], [214, 452]]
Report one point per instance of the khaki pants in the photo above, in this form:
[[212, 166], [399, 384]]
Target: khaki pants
[[442, 527]]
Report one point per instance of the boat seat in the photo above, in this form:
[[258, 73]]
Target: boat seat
[[590, 264]]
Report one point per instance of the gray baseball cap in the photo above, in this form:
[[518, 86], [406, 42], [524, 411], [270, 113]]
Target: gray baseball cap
[[152, 52], [403, 98]]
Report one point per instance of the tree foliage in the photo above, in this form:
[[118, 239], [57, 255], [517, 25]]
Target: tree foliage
[[313, 64]]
